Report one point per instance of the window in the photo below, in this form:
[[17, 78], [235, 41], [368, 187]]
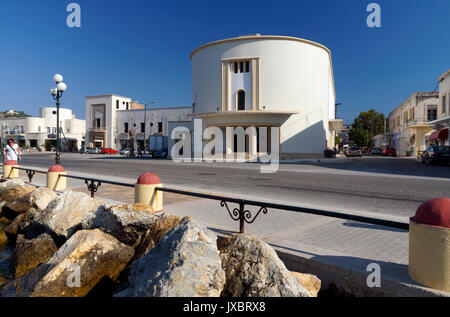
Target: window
[[127, 106], [160, 127], [241, 100], [117, 104], [142, 127], [97, 123], [411, 114], [444, 103], [39, 128], [241, 67], [125, 128], [431, 113], [49, 130]]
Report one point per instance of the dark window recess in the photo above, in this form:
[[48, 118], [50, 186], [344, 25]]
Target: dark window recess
[[142, 127], [117, 104], [127, 106], [236, 69], [431, 113], [241, 67], [98, 123], [247, 67], [160, 127], [241, 100], [125, 128]]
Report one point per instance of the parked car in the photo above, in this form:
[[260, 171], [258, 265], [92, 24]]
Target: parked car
[[389, 152], [125, 151], [353, 151], [436, 154], [83, 150], [92, 150], [108, 150], [376, 151]]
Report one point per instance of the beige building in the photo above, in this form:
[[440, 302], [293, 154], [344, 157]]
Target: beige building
[[442, 122], [411, 123]]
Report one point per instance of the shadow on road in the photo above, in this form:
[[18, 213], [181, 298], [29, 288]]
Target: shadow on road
[[394, 166]]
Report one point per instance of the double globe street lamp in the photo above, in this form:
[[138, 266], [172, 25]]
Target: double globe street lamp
[[57, 93]]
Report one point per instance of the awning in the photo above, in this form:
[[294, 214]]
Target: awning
[[441, 134]]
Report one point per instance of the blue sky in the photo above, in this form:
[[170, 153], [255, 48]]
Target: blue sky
[[141, 48]]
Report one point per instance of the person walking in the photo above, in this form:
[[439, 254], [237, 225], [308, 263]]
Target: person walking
[[12, 152]]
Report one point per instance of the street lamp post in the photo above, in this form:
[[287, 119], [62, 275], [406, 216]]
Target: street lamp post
[[57, 93], [145, 123]]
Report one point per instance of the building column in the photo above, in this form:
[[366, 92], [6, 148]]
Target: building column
[[229, 141]]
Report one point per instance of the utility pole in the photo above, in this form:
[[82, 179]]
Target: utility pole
[[145, 123]]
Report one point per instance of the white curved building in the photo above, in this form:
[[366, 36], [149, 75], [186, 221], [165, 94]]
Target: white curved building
[[267, 81], [41, 131]]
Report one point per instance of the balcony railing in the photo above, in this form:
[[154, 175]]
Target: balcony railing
[[412, 122]]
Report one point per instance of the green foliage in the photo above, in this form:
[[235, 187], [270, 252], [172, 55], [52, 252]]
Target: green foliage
[[337, 140], [15, 114], [366, 126]]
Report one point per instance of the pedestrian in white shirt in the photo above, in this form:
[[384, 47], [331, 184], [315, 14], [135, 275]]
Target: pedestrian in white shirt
[[12, 152]]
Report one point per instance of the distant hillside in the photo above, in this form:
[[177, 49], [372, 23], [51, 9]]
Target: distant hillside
[[13, 114]]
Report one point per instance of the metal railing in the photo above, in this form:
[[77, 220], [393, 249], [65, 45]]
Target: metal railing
[[240, 213]]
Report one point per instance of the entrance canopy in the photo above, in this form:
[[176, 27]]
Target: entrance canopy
[[441, 134]]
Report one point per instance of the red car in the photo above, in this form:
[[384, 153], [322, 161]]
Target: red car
[[108, 150], [390, 152]]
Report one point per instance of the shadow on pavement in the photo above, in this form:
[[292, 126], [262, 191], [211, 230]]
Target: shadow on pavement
[[370, 226]]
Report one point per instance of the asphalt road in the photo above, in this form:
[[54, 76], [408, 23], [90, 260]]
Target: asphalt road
[[374, 185]]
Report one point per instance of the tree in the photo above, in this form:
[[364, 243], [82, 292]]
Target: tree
[[367, 125]]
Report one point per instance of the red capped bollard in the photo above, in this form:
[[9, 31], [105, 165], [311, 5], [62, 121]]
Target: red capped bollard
[[429, 244], [54, 180], [145, 191], [9, 171]]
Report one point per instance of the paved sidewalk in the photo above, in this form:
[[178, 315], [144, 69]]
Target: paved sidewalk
[[347, 244]]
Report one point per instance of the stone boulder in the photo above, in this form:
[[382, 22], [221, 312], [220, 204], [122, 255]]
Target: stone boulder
[[63, 216], [162, 225], [13, 193], [30, 253], [125, 222], [36, 199], [10, 184], [3, 239], [309, 282], [253, 269], [185, 263], [86, 258]]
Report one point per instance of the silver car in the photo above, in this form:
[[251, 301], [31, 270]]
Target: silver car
[[353, 151], [125, 151], [92, 150]]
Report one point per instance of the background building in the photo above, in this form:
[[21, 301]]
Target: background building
[[41, 131], [267, 81], [111, 118], [442, 122], [410, 123]]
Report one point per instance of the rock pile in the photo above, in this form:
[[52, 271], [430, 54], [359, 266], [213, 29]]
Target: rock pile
[[69, 244]]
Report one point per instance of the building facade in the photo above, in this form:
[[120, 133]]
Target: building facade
[[411, 123], [40, 132], [267, 81], [442, 122], [113, 121]]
